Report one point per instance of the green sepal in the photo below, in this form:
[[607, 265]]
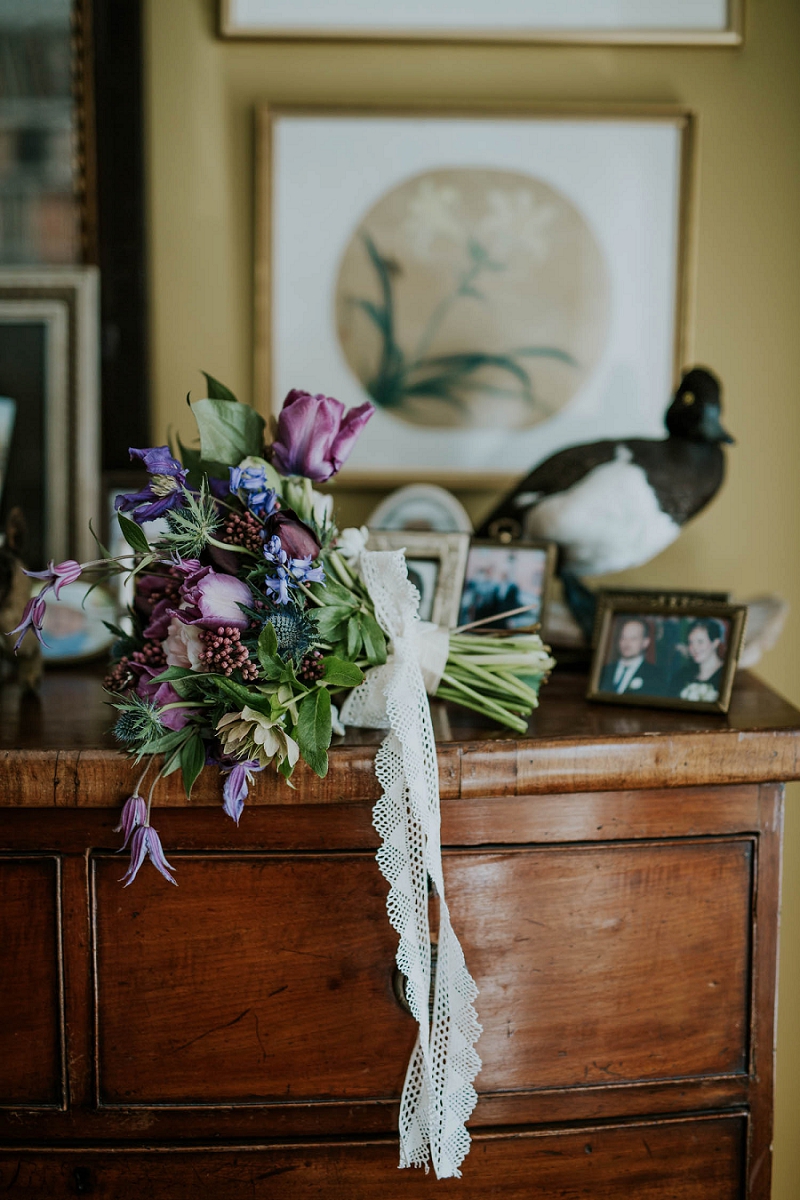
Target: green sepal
[[341, 673], [134, 535], [374, 640], [217, 390], [192, 760], [228, 432]]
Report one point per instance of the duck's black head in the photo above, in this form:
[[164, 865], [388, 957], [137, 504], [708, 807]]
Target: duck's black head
[[694, 413]]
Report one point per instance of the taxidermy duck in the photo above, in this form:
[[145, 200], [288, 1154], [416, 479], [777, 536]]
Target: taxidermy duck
[[616, 504]]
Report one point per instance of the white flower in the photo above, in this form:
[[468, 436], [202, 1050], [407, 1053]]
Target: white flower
[[183, 645], [636, 683], [321, 508], [433, 214], [700, 691], [351, 542], [257, 736], [515, 222]]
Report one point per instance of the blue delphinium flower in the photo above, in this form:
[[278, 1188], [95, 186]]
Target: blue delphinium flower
[[288, 571], [259, 497], [163, 492]]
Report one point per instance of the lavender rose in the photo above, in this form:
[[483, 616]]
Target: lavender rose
[[211, 599], [315, 435]]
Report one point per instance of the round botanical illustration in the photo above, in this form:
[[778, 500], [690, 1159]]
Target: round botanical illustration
[[472, 297]]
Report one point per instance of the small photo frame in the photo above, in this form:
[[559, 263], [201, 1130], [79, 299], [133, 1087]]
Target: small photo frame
[[677, 652], [436, 564], [503, 577]]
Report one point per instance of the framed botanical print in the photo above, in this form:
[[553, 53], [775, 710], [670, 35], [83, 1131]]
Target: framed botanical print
[[500, 285]]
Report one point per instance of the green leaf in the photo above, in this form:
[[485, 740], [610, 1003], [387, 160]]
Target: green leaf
[[267, 651], [268, 640], [354, 638], [314, 729], [103, 551], [243, 697], [134, 535], [374, 640], [331, 621], [336, 593], [339, 672], [228, 432], [192, 759], [217, 390], [171, 673]]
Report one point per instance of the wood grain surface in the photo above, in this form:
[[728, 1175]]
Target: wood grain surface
[[59, 752]]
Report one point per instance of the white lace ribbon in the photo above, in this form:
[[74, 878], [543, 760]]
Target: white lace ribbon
[[438, 1094]]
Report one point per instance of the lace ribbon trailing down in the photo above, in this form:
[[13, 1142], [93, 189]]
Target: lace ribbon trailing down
[[438, 1094]]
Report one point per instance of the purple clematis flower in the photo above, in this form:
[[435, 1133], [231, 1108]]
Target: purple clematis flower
[[211, 598], [134, 813], [163, 492], [315, 435], [147, 844], [55, 576], [240, 777]]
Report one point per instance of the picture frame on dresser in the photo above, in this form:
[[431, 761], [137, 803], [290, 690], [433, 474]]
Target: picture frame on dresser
[[50, 365], [670, 652], [507, 584], [435, 252], [587, 22], [436, 565]]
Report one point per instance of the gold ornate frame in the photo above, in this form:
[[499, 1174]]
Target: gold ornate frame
[[676, 604], [683, 118], [732, 35]]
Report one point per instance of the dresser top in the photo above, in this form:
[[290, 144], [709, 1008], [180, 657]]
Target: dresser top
[[58, 751]]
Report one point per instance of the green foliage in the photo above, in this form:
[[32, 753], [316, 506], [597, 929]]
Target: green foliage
[[190, 527], [192, 761], [339, 673], [217, 390], [228, 432], [314, 729], [134, 534]]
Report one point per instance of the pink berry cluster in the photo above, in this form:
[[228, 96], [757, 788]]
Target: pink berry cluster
[[311, 668], [224, 652], [243, 529]]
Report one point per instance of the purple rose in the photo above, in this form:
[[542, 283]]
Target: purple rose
[[297, 539], [210, 599], [315, 435]]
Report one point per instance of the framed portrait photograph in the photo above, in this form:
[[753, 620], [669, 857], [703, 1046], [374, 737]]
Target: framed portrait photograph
[[503, 578], [499, 284], [436, 565], [679, 655], [50, 368], [634, 22]]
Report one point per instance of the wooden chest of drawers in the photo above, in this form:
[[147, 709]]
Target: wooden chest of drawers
[[613, 879]]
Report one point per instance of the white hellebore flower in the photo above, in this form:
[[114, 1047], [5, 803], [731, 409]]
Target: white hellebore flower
[[257, 736], [351, 542]]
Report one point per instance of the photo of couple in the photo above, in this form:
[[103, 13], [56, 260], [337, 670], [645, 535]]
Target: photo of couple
[[675, 657]]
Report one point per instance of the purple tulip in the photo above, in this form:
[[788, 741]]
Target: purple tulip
[[211, 599], [147, 844], [164, 490], [160, 617], [134, 814], [315, 435], [234, 793], [297, 539]]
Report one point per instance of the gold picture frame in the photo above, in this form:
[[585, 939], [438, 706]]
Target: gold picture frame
[[679, 673], [436, 566], [732, 35], [475, 610], [273, 297]]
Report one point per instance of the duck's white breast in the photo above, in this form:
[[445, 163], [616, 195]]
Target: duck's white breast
[[610, 520]]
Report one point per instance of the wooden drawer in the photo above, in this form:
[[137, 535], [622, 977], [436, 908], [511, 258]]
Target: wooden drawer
[[673, 1160], [267, 978], [31, 1008]]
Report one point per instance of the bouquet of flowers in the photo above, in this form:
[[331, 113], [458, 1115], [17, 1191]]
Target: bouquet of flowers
[[251, 610]]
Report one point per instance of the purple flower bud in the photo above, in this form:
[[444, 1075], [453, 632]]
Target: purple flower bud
[[297, 539], [234, 793], [57, 575], [315, 435], [147, 844], [134, 814]]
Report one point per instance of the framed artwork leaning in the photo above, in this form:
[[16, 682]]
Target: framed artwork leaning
[[49, 366], [669, 653], [499, 284], [635, 22]]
